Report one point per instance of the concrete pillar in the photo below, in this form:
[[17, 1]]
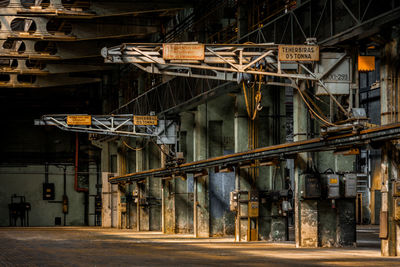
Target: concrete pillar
[[142, 190], [389, 221], [106, 186], [243, 182], [184, 196], [154, 189], [121, 192], [201, 200], [168, 189], [320, 221], [306, 211], [168, 198]]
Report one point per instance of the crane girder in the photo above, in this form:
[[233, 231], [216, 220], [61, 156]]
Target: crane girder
[[115, 125], [222, 62]]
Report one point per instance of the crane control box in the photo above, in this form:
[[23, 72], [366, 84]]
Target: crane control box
[[350, 185], [310, 186], [253, 208]]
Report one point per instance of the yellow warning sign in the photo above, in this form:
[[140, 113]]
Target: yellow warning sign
[[145, 120], [333, 181], [298, 52], [79, 120]]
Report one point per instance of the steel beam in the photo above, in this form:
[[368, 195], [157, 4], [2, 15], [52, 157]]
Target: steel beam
[[282, 151], [116, 125]]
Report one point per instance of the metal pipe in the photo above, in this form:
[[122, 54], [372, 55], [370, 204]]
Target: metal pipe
[[65, 193], [163, 206], [195, 220], [376, 134], [138, 208]]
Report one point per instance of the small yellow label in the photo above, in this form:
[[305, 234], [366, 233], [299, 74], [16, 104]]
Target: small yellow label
[[145, 120], [333, 181], [79, 120]]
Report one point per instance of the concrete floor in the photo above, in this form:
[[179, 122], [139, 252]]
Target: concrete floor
[[88, 246]]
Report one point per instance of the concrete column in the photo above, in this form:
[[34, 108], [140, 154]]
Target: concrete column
[[201, 200], [168, 198], [121, 197], [389, 226], [241, 137], [184, 196], [142, 189], [154, 189], [306, 211], [105, 186]]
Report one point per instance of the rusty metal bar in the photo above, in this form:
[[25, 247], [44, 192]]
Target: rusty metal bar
[[282, 151]]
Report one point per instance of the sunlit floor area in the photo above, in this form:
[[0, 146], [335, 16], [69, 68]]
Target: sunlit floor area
[[85, 246]]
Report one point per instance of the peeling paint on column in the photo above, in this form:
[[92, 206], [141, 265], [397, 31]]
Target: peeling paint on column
[[309, 223]]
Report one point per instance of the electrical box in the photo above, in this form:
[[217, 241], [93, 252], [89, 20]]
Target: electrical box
[[65, 204], [286, 206], [48, 191], [332, 182], [253, 207], [396, 188], [233, 201], [97, 204], [350, 185], [122, 204], [396, 216], [310, 187]]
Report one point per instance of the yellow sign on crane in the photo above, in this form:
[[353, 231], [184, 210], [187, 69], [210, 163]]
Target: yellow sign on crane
[[183, 51], [298, 53], [79, 120], [145, 120]]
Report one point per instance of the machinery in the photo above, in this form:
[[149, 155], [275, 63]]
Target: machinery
[[357, 121], [19, 210], [247, 206], [117, 125]]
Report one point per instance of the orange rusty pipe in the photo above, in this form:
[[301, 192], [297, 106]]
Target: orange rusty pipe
[[77, 189]]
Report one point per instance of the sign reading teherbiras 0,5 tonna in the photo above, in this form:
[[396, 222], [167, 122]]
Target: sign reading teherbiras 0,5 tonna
[[145, 120], [298, 53]]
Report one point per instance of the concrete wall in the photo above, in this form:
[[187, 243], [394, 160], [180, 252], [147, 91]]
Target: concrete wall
[[27, 181]]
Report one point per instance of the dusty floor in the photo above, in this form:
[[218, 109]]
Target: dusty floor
[[86, 246]]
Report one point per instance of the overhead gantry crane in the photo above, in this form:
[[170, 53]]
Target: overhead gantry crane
[[164, 131], [241, 62]]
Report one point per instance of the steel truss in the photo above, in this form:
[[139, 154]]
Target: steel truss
[[221, 62], [233, 62], [116, 125], [330, 22]]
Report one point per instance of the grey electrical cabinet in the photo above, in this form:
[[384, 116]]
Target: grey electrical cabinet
[[350, 185], [332, 186], [310, 186]]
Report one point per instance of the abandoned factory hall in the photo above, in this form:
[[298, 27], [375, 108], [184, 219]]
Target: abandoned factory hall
[[200, 133]]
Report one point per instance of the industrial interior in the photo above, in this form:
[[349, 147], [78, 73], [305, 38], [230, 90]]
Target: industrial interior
[[243, 132]]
